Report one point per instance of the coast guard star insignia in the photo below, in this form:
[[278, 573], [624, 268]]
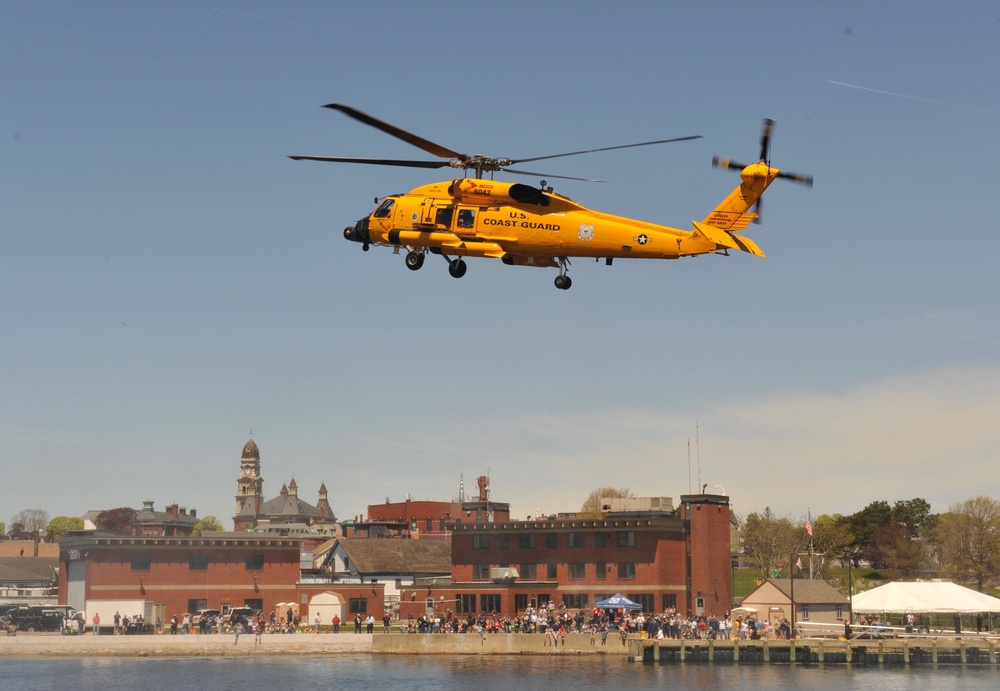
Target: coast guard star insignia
[[643, 239], [586, 232]]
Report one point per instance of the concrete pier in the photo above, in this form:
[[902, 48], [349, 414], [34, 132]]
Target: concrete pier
[[226, 645], [888, 652]]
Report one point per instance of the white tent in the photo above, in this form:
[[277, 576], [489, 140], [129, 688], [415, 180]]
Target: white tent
[[924, 597]]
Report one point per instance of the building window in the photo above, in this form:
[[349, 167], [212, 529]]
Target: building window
[[840, 612], [669, 602], [520, 601], [195, 605], [626, 538], [646, 600], [255, 605], [466, 604], [140, 562], [804, 609], [480, 572], [430, 525], [574, 540], [551, 540], [576, 571], [197, 562], [480, 541], [357, 605], [504, 541], [441, 525], [551, 571], [574, 601], [600, 539], [543, 600], [490, 602], [626, 569], [600, 571], [528, 571], [254, 562], [526, 540]]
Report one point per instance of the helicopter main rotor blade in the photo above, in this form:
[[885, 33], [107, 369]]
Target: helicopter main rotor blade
[[375, 161], [548, 175], [419, 142], [606, 148]]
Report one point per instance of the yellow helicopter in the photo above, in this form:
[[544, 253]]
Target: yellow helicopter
[[534, 226]]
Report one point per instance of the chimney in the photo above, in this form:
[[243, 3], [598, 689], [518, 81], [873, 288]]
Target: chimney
[[194, 513]]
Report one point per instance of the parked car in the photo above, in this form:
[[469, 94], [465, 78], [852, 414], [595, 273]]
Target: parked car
[[241, 615], [37, 618]]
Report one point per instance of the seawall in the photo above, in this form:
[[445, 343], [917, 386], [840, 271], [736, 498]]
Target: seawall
[[226, 645]]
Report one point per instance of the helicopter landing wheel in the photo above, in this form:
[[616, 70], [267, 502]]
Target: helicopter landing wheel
[[563, 282], [414, 260], [457, 268]]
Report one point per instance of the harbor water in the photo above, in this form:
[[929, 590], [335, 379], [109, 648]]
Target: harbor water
[[419, 672]]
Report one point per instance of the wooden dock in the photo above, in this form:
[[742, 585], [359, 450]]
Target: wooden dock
[[900, 652]]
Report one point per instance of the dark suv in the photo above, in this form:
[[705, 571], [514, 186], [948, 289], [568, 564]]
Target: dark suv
[[36, 619]]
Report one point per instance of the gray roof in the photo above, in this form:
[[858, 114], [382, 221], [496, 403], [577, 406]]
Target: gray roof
[[23, 570], [398, 555], [809, 591]]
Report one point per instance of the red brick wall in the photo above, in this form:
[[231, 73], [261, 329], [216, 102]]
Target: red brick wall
[[711, 566]]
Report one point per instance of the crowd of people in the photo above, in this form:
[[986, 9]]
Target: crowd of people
[[554, 624]]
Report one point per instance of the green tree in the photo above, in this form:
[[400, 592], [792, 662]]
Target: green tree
[[770, 541], [208, 524], [3, 529], [832, 539], [592, 504], [894, 552], [60, 526], [866, 523], [912, 513], [968, 537]]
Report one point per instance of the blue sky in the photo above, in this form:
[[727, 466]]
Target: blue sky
[[170, 280]]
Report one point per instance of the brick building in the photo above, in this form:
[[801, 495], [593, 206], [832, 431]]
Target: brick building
[[215, 571], [660, 559], [427, 518]]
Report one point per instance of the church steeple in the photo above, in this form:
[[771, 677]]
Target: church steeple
[[249, 489]]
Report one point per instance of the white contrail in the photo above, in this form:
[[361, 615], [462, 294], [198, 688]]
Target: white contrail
[[914, 98]]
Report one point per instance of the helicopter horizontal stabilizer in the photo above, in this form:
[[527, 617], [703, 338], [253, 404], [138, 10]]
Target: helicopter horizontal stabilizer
[[726, 240], [730, 220]]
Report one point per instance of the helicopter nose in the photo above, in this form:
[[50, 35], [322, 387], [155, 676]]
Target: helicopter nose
[[358, 233]]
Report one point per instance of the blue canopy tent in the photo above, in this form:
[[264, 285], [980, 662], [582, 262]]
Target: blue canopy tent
[[617, 601]]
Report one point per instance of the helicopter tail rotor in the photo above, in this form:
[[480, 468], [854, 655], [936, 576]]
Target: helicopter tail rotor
[[765, 158]]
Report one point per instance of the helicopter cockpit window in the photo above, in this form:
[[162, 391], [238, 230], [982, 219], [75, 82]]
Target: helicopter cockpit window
[[466, 218], [385, 209], [443, 217]]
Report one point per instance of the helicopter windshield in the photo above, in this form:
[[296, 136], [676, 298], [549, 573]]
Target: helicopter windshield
[[385, 209]]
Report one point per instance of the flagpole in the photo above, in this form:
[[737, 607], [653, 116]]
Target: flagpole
[[809, 529], [791, 578]]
